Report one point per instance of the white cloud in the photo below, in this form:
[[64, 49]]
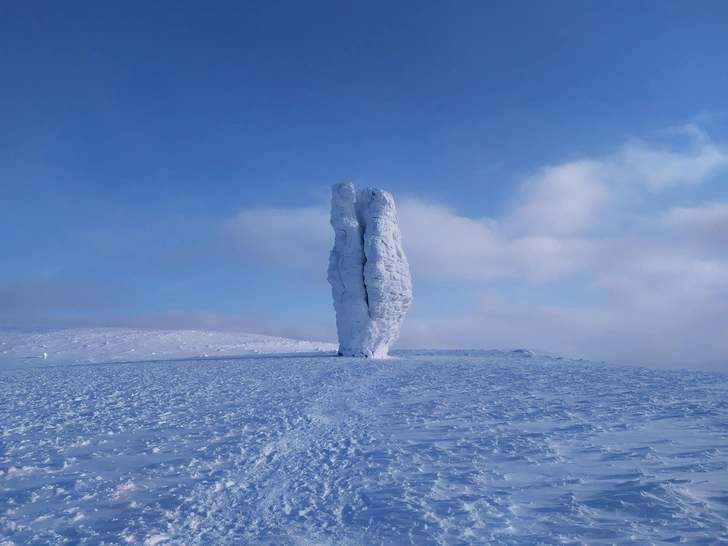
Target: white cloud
[[440, 244], [661, 168], [298, 238], [563, 200], [708, 217], [704, 227], [574, 198]]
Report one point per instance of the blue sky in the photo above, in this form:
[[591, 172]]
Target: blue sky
[[561, 168]]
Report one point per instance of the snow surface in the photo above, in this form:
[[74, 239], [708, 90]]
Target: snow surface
[[368, 271], [426, 447]]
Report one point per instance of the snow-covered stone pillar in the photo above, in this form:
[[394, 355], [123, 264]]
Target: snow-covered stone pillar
[[368, 271]]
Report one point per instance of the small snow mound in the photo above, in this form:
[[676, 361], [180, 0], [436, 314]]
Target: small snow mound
[[523, 352]]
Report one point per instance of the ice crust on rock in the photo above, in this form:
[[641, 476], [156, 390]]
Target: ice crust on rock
[[368, 271]]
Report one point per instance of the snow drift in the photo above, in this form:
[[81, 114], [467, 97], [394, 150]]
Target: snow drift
[[368, 271]]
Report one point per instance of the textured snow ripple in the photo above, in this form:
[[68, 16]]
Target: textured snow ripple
[[440, 448]]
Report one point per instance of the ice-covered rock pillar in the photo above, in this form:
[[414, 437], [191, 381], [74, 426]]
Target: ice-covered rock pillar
[[346, 271], [368, 271]]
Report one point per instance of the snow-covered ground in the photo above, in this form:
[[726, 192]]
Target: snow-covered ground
[[427, 447]]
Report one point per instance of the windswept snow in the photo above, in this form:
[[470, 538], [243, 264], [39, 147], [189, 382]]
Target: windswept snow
[[43, 346], [429, 447]]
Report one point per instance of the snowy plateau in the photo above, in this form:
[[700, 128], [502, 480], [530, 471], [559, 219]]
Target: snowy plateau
[[144, 437]]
